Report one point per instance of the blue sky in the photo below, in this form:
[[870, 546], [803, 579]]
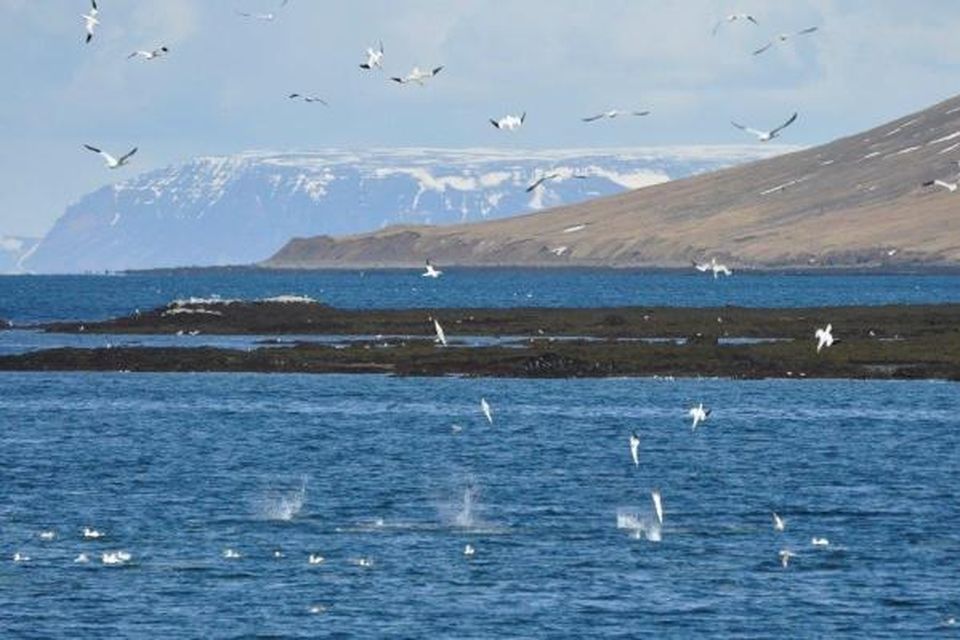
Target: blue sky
[[223, 87]]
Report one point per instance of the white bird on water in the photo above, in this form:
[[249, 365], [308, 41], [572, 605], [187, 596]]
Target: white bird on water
[[441, 336], [509, 122], [614, 113], [21, 557], [111, 162], [824, 337], [819, 542], [374, 58], [635, 448], [231, 554], [92, 534], [783, 37], [82, 559], [418, 76], [48, 535], [785, 555], [115, 557], [734, 17], [767, 136], [469, 551], [699, 414], [90, 20], [149, 55], [487, 411], [430, 271], [779, 523], [315, 559], [714, 267], [657, 505]]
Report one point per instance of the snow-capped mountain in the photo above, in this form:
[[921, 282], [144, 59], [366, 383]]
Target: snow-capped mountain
[[241, 209], [13, 249]]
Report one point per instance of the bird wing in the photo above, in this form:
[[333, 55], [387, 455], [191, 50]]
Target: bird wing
[[128, 155], [716, 27], [807, 30], [657, 505], [740, 126], [495, 123], [400, 80], [535, 185], [93, 3], [753, 20], [436, 70], [94, 149], [763, 48], [786, 124], [639, 113], [592, 118]]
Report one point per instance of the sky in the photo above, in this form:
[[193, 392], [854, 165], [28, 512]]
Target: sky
[[223, 87]]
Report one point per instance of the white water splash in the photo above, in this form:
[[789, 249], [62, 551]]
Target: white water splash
[[286, 506], [638, 526]]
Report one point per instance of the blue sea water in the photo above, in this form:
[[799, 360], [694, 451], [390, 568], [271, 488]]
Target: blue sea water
[[176, 468], [30, 299]]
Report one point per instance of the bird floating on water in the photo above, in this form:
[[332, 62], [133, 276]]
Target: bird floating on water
[[115, 557], [90, 20], [308, 98], [785, 555], [47, 535], [783, 37], [509, 122], [315, 558], [20, 557], [949, 186], [819, 542], [82, 559], [92, 534], [469, 551], [614, 113], [779, 523], [111, 162], [699, 414], [149, 55], [767, 136], [824, 337], [441, 336], [714, 267], [374, 58], [418, 76], [635, 448], [487, 411], [430, 271], [231, 554], [734, 17]]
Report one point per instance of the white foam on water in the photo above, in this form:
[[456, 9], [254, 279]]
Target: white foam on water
[[286, 506], [639, 527]]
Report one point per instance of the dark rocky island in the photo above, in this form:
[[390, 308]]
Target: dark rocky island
[[919, 341]]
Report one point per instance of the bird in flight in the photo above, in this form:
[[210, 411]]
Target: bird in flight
[[949, 186], [783, 37], [767, 136], [418, 75], [635, 448], [431, 271], [487, 411], [824, 337], [509, 122], [699, 414], [779, 523], [441, 336], [374, 58], [734, 17], [308, 98], [149, 55], [785, 555], [266, 17], [541, 180], [713, 266], [90, 20], [657, 505], [614, 113], [112, 162]]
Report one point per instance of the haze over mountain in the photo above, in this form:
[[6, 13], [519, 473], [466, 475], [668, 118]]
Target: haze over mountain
[[243, 208], [857, 200]]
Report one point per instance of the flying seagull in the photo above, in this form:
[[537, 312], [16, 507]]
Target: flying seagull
[[783, 37], [541, 180], [149, 55], [785, 555], [257, 16], [949, 186], [90, 20], [613, 113], [713, 266], [487, 411], [509, 122], [779, 523], [657, 505], [112, 163], [306, 98], [766, 136], [431, 271], [733, 17], [441, 336], [418, 76], [374, 58], [635, 448], [699, 414], [824, 337]]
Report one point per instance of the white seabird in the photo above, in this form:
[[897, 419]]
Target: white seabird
[[949, 186], [614, 113], [20, 557], [713, 266], [469, 550], [47, 535], [82, 559], [308, 98], [487, 411], [657, 505], [149, 55], [699, 414], [90, 20], [231, 554], [767, 136], [734, 17], [315, 559], [115, 557], [509, 122], [824, 337], [111, 162], [785, 555], [374, 58], [257, 16], [541, 180], [430, 271], [635, 448], [418, 75], [819, 542], [779, 523], [783, 37], [441, 336], [92, 534]]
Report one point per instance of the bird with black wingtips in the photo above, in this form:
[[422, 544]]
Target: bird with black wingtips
[[614, 113], [90, 20], [767, 136], [509, 122], [783, 37], [418, 76], [374, 58]]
